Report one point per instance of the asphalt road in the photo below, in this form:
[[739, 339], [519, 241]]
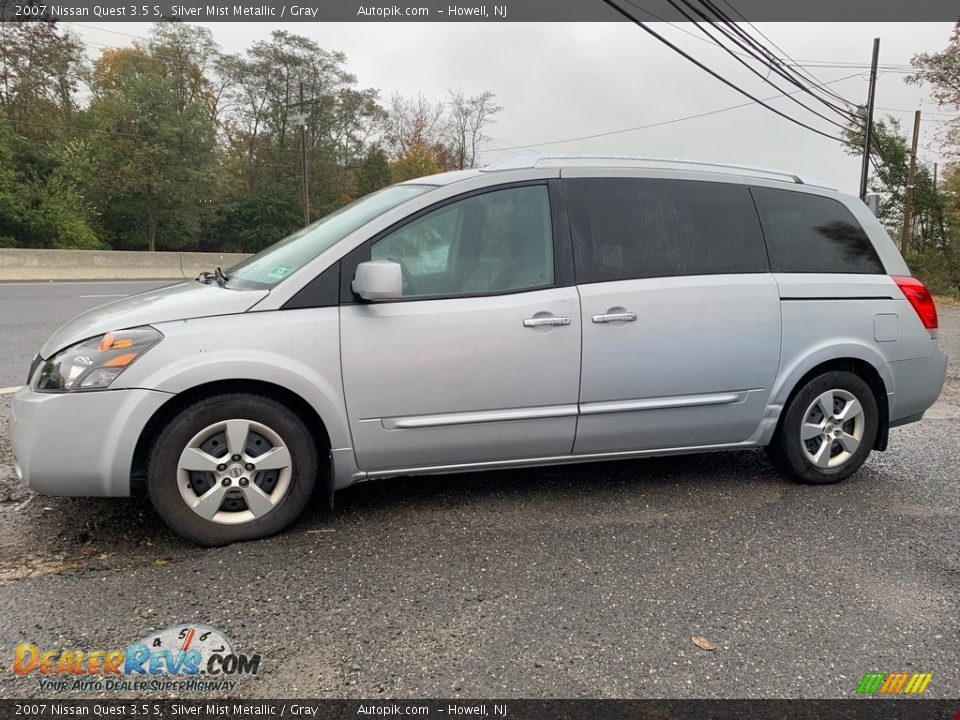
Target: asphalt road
[[31, 311], [581, 581]]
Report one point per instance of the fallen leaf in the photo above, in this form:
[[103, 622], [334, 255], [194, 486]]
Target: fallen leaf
[[701, 642]]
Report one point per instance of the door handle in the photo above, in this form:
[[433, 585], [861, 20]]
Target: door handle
[[615, 317], [542, 321]]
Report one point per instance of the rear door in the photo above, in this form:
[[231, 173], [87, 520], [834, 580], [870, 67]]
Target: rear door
[[680, 314], [480, 360]]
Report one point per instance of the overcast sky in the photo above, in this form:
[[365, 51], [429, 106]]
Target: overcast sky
[[557, 81]]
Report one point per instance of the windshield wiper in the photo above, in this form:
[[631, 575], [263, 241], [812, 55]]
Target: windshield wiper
[[219, 275]]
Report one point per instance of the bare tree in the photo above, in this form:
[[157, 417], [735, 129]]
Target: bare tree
[[413, 122], [468, 116]]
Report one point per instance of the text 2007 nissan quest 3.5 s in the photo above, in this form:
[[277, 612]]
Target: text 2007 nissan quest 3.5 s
[[539, 311]]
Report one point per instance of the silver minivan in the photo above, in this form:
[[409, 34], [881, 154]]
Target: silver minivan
[[543, 310]]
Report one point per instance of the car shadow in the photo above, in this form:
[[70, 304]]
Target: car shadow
[[104, 532]]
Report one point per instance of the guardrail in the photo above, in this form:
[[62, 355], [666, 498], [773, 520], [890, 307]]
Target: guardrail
[[25, 264]]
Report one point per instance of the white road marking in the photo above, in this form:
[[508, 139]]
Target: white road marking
[[95, 296], [9, 390], [91, 282]]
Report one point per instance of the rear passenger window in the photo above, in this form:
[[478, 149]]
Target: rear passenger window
[[813, 234], [627, 228]]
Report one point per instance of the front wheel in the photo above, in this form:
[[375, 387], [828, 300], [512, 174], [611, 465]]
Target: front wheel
[[230, 468], [827, 429]]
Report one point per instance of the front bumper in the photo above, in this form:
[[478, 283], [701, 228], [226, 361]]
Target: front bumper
[[79, 444]]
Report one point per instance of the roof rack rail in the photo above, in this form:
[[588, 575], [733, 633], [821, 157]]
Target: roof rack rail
[[533, 161]]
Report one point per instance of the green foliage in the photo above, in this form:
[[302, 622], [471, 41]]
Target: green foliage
[[939, 271], [41, 205], [251, 221], [176, 145], [153, 159], [933, 247], [941, 73], [374, 173], [416, 162]]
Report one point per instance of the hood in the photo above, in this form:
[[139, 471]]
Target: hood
[[182, 301]]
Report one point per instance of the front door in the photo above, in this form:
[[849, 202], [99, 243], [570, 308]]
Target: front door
[[480, 360]]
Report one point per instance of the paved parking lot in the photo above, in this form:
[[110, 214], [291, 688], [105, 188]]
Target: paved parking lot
[[577, 581]]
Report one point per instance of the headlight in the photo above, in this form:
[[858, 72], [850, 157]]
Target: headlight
[[95, 363]]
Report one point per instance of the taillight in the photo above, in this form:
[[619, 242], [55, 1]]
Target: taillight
[[919, 297]]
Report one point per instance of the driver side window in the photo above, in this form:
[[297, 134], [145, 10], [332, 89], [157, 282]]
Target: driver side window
[[499, 241]]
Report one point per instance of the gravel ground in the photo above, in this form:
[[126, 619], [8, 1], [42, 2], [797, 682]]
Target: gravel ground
[[583, 581]]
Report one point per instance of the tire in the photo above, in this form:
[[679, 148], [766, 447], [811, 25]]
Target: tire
[[252, 497], [802, 453]]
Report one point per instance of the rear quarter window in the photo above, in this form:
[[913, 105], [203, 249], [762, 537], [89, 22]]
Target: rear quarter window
[[628, 228], [813, 234]]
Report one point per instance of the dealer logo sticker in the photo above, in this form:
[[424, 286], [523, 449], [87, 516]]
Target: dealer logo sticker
[[185, 658]]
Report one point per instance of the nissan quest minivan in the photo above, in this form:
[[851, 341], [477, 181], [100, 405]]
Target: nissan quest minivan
[[539, 311]]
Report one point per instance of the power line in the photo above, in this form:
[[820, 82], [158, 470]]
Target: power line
[[852, 64], [79, 129], [665, 122], [735, 33], [110, 30], [715, 74], [750, 54], [817, 82], [756, 72], [949, 116]]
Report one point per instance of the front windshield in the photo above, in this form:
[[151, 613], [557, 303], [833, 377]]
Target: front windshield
[[273, 264]]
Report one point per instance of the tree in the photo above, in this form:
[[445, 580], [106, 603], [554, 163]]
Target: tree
[[890, 160], [416, 162], [41, 204], [261, 109], [175, 144], [153, 159], [40, 69], [374, 172], [941, 71], [468, 118], [251, 220], [414, 123], [188, 54], [12, 207]]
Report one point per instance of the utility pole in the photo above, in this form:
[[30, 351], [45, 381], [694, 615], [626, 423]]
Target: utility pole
[[905, 232], [303, 161], [868, 130]]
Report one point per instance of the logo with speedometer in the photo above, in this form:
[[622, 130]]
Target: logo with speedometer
[[191, 650], [199, 657]]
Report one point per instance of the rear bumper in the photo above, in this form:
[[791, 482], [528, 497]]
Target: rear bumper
[[79, 444], [916, 386]]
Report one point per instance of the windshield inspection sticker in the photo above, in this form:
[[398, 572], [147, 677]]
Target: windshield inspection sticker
[[280, 272]]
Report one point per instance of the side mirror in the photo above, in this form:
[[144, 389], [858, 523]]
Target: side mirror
[[378, 280]]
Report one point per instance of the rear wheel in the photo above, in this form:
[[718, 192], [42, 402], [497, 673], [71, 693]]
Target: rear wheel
[[827, 429], [231, 468]]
